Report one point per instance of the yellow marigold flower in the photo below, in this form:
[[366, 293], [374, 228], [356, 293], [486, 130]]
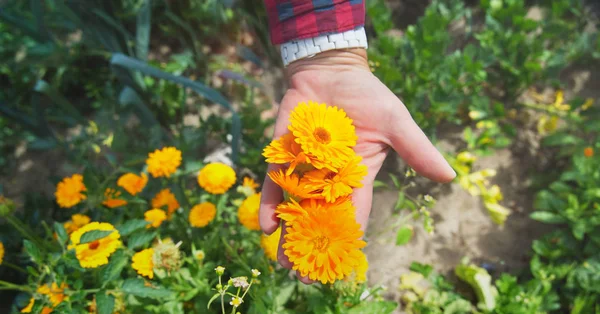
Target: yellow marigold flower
[[285, 150], [164, 162], [142, 263], [292, 210], [325, 132], [270, 244], [111, 199], [289, 211], [69, 191], [216, 178], [165, 198], [202, 214], [293, 185], [338, 184], [29, 306], [155, 217], [132, 183], [1, 252], [77, 221], [588, 152], [324, 244], [360, 271], [248, 212], [250, 183], [95, 253], [53, 292]]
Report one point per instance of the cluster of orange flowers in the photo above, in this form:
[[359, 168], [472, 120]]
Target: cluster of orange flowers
[[319, 171]]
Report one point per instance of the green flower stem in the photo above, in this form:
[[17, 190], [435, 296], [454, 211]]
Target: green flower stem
[[25, 231], [5, 285], [13, 266], [222, 296]]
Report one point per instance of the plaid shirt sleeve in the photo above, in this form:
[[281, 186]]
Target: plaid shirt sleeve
[[299, 19]]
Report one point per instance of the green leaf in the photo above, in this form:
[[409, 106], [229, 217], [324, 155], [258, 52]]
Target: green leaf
[[284, 294], [140, 239], [131, 226], [400, 201], [142, 33], [379, 184], [395, 180], [61, 233], [33, 251], [423, 269], [404, 235], [547, 217], [94, 235], [376, 307], [214, 297], [138, 288], [105, 303], [113, 270]]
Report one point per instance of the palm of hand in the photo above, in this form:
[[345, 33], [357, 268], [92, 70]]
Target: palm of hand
[[381, 122]]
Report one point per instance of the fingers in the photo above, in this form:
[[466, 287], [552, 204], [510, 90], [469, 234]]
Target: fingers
[[362, 199], [283, 260], [271, 196], [409, 141]]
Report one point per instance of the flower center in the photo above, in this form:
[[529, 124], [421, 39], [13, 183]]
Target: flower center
[[322, 135], [94, 245], [321, 243], [330, 175]]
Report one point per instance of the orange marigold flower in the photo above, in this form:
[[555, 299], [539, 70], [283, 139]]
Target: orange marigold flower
[[325, 244], [293, 185], [248, 212], [270, 244], [216, 178], [143, 264], [285, 150], [53, 292], [69, 191], [588, 152], [335, 185], [112, 200], [325, 132], [46, 310], [202, 214], [77, 221], [250, 183], [164, 162], [95, 253], [155, 217], [132, 183], [165, 198], [289, 211]]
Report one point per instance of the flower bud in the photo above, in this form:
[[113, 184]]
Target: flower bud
[[167, 256], [220, 270]]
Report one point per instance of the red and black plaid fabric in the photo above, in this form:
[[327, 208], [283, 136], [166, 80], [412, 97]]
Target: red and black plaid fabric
[[298, 19]]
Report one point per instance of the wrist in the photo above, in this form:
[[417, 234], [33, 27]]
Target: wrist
[[337, 60]]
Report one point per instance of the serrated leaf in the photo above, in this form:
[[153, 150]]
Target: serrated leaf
[[404, 235], [140, 239], [33, 251], [113, 269], [131, 226], [138, 288], [61, 233], [94, 235], [105, 303], [547, 217]]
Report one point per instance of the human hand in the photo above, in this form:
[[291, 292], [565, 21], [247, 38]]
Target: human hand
[[342, 78]]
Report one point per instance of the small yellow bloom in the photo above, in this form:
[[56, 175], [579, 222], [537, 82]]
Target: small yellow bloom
[[29, 306], [498, 213], [412, 281], [69, 191], [547, 124], [142, 263], [77, 221], [216, 178], [155, 217], [270, 244], [250, 183], [248, 212], [200, 255], [132, 183], [95, 253], [588, 104], [1, 252], [164, 162], [559, 102], [202, 214], [255, 272], [54, 292], [236, 301], [112, 200], [166, 198]]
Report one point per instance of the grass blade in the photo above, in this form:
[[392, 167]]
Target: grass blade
[[142, 32]]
